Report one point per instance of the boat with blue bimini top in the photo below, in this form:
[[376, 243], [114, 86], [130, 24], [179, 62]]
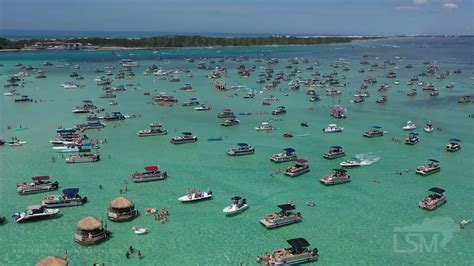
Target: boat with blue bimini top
[[287, 156], [453, 145], [243, 149], [187, 137], [340, 176], [299, 252], [39, 184], [70, 197], [301, 167], [375, 131], [334, 152], [284, 217], [152, 173], [430, 168], [412, 138], [435, 198]]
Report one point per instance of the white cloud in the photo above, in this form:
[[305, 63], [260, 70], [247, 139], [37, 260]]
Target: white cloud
[[450, 5]]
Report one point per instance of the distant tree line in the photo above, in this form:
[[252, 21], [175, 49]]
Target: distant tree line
[[188, 41]]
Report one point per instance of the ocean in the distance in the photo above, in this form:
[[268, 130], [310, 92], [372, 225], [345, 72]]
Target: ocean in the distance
[[373, 220]]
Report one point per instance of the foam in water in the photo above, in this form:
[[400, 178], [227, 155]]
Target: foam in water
[[367, 158]]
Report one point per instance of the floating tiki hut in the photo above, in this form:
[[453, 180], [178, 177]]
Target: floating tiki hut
[[121, 209], [52, 261], [89, 231]]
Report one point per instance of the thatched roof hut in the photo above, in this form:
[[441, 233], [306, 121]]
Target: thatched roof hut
[[89, 223], [121, 203], [52, 261]]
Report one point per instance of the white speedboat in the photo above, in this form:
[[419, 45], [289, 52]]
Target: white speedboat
[[350, 163], [203, 107], [35, 212], [340, 176], [69, 85], [409, 126], [195, 195], [288, 155], [140, 231], [238, 205], [332, 128], [265, 126], [429, 127]]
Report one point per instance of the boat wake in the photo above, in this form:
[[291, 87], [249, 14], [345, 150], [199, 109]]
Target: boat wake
[[367, 158]]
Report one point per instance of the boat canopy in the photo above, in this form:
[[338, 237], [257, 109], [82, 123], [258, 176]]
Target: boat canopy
[[433, 160], [151, 168], [436, 190], [301, 161], [336, 147], [286, 207], [193, 99], [34, 207], [71, 191], [40, 178], [187, 133], [236, 198], [340, 170], [298, 243], [455, 140], [413, 133], [242, 144], [376, 127], [289, 150]]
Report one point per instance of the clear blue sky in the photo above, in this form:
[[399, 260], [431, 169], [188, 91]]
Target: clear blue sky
[[242, 16]]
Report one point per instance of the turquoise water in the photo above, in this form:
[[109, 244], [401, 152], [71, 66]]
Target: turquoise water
[[354, 223]]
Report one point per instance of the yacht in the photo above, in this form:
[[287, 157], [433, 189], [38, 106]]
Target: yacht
[[227, 113], [375, 131], [429, 127], [152, 173], [35, 212], [298, 253], [453, 145], [187, 137], [265, 126], [70, 197], [23, 99], [334, 152], [39, 184], [435, 198], [412, 138], [83, 158], [238, 205], [284, 217], [288, 155], [301, 167], [243, 149], [340, 176], [279, 110], [430, 168], [409, 126], [203, 107], [350, 163], [155, 130], [332, 128], [230, 122], [195, 195]]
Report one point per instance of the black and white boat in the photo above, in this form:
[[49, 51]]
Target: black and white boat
[[39, 184], [187, 137], [243, 149], [35, 212], [151, 173]]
